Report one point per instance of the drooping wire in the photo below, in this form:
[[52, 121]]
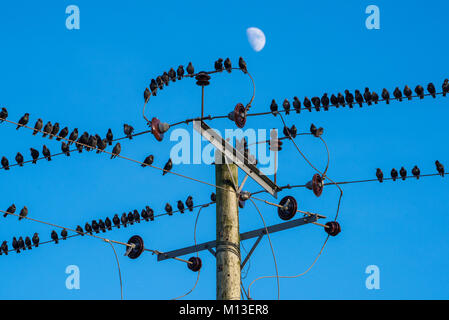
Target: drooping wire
[[119, 271]]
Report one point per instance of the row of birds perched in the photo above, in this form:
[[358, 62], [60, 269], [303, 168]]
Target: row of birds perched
[[146, 214], [403, 172], [350, 99], [172, 75]]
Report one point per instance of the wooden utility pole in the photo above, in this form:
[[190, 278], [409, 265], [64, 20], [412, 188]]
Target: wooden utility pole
[[228, 233]]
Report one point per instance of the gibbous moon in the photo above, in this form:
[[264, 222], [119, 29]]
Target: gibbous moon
[[256, 38]]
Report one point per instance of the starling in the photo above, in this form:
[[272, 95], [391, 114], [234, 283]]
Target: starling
[[23, 121], [3, 114], [130, 218], [109, 137], [46, 153], [65, 148], [101, 144], [136, 216], [416, 172], [5, 163], [286, 105], [316, 102], [95, 226], [379, 175], [358, 98], [146, 95], [73, 136], [375, 97], [88, 228], [242, 65], [148, 161], [15, 245], [11, 209], [19, 159], [228, 65], [102, 225], [368, 96], [444, 87], [166, 78], [403, 173], [307, 104], [116, 151], [168, 166], [124, 219], [159, 82], [144, 215], [440, 168], [316, 132], [28, 243], [91, 143], [349, 97], [34, 155], [181, 206], [190, 69], [394, 174], [274, 107], [341, 99], [219, 65], [334, 100], [54, 130], [54, 237], [169, 209], [47, 129], [62, 134], [431, 89], [180, 72], [153, 87], [5, 246], [23, 213], [36, 239], [297, 104], [21, 243], [420, 91], [150, 213], [325, 102], [386, 96], [397, 94], [64, 234], [189, 203], [172, 74], [80, 230], [213, 197], [38, 126], [408, 92], [108, 223], [116, 221], [82, 142], [293, 131]]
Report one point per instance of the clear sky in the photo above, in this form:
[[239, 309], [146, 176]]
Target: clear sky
[[93, 79]]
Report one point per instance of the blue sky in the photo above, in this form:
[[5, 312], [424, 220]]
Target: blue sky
[[93, 79]]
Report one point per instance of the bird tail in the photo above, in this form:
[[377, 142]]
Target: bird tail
[[56, 241], [110, 143], [35, 132], [5, 215], [50, 137], [44, 135], [112, 157], [58, 139], [6, 168], [387, 101], [49, 158], [444, 93], [410, 98], [34, 161], [20, 218]]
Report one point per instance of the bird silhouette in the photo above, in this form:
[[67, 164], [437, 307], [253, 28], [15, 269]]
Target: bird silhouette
[[28, 243], [64, 234], [116, 151], [23, 121], [80, 230], [109, 137], [11, 209], [146, 95], [23, 213], [54, 237], [130, 218], [419, 90], [394, 174], [5, 163], [15, 244], [325, 102], [286, 106], [334, 101], [189, 203], [73, 136], [116, 221], [136, 216], [88, 228], [172, 74], [165, 78], [386, 96], [160, 83], [169, 209], [180, 72], [19, 159], [444, 87], [4, 247], [368, 96], [296, 104], [38, 126], [148, 161], [102, 225], [124, 219], [65, 149], [3, 115], [379, 175], [95, 226], [21, 243], [228, 65], [341, 99], [153, 85], [440, 168], [213, 197], [46, 153], [108, 223], [403, 173], [431, 89], [168, 166], [416, 172], [54, 130], [181, 206], [128, 130], [190, 69], [219, 65], [358, 98], [307, 104], [36, 239], [34, 155], [274, 107], [242, 65], [397, 94], [150, 213], [349, 98], [375, 97], [47, 129], [62, 134], [408, 92], [316, 102]]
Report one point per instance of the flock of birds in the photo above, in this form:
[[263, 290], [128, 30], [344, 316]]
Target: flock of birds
[[403, 172], [350, 99], [147, 214]]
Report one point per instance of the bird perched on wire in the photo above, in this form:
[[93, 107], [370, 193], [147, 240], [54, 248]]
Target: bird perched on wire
[[307, 104], [316, 132], [64, 234], [160, 83], [116, 151], [11, 209], [359, 98], [130, 218], [242, 65], [379, 175], [73, 136], [21, 243], [290, 132], [102, 225], [95, 226], [108, 223], [349, 98], [213, 197], [19, 159], [36, 239], [82, 142], [228, 65], [403, 173], [189, 203], [146, 95], [109, 137], [181, 206], [440, 168], [54, 237], [419, 91], [101, 144], [219, 65], [88, 228], [5, 163], [46, 152], [180, 72], [47, 129], [62, 134], [375, 97], [386, 95], [124, 219], [4, 247], [169, 209], [416, 172], [394, 174], [3, 115], [165, 78], [23, 121], [54, 130], [408, 92], [116, 221], [444, 87], [325, 102], [341, 100], [144, 215], [80, 230], [128, 130], [15, 244], [65, 149], [168, 166], [317, 103], [172, 74], [397, 94], [148, 161], [91, 143], [23, 213], [150, 213], [34, 155], [274, 107], [136, 216], [431, 89], [153, 87], [297, 104], [286, 106], [38, 126], [190, 69], [368, 96]]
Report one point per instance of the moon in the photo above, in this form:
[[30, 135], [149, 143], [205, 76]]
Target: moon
[[256, 38]]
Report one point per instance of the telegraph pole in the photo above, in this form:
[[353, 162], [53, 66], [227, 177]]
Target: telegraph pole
[[228, 233]]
